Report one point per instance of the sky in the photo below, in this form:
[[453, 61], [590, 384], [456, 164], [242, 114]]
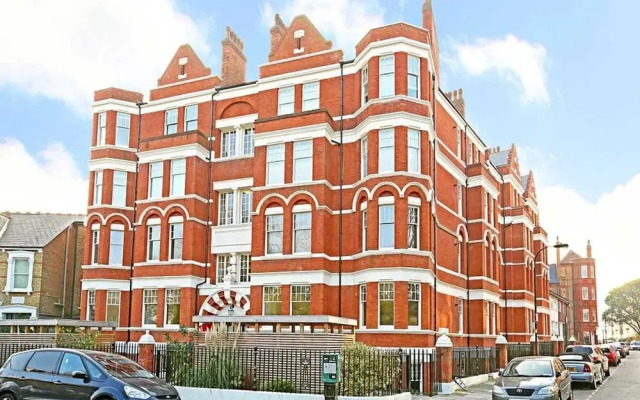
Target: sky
[[558, 78]]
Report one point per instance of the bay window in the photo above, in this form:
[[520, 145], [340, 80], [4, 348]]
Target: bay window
[[149, 306], [363, 305], [123, 122], [119, 193], [364, 157], [413, 227], [101, 133], [413, 151], [413, 76], [386, 151], [153, 243], [97, 187], [172, 307], [365, 85], [387, 76], [386, 295], [95, 244], [386, 226]]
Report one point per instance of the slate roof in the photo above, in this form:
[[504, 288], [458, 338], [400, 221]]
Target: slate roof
[[553, 274], [570, 256], [35, 230], [500, 158], [525, 181]]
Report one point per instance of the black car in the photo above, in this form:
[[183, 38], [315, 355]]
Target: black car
[[63, 374]]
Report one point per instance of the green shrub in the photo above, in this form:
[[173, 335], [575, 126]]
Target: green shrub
[[76, 338], [281, 385], [205, 369], [368, 371]]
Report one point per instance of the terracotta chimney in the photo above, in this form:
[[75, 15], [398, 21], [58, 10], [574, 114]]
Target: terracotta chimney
[[429, 23], [558, 251], [588, 248], [457, 100], [234, 63], [277, 32]]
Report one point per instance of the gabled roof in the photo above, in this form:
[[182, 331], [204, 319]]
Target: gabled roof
[[570, 256], [193, 66], [553, 274], [312, 42], [35, 230], [525, 181], [500, 158]]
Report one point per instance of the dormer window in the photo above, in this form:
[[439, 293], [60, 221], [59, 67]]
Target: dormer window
[[298, 35]]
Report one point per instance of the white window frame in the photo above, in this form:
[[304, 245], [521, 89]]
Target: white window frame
[[286, 105], [157, 179], [268, 231], [364, 230], [494, 318], [113, 299], [383, 287], [415, 296], [144, 306], [297, 230], [487, 318], [585, 293], [380, 223], [413, 73], [98, 177], [228, 144], [362, 306], [309, 90], [584, 271], [190, 120], [486, 207], [167, 293], [123, 127], [170, 125], [95, 244], [460, 315], [413, 151], [266, 297], [226, 208], [459, 143], [247, 141], [416, 223], [585, 315], [223, 261], [173, 239], [246, 206], [387, 73], [386, 135], [178, 171], [101, 129], [364, 157], [119, 192], [91, 302], [245, 268], [275, 163], [459, 197], [303, 161], [299, 294], [150, 239], [593, 293], [364, 98], [12, 256], [592, 271], [460, 252], [119, 229]]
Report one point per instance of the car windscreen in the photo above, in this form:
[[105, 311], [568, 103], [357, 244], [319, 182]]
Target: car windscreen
[[635, 343], [580, 349], [120, 367], [531, 368], [571, 357]]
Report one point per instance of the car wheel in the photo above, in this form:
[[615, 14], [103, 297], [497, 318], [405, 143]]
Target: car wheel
[[7, 396], [607, 373], [593, 384]]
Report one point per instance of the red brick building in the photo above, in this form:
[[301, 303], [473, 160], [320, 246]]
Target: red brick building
[[231, 201]]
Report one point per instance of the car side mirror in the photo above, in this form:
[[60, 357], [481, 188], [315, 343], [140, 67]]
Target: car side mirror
[[558, 374], [500, 371], [79, 374]]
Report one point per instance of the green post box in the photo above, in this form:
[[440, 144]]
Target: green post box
[[331, 368]]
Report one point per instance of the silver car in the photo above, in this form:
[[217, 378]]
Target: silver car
[[534, 378], [582, 368]]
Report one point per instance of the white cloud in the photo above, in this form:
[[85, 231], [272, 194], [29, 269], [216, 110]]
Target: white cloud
[[66, 49], [611, 222], [344, 22], [48, 182], [515, 60]]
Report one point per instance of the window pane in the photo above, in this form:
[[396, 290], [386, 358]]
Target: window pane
[[248, 141], [43, 361], [172, 301], [310, 96], [228, 144], [178, 174], [285, 100], [116, 246], [245, 268], [171, 121], [191, 117], [387, 76], [175, 232], [364, 157], [275, 164], [150, 298], [302, 161], [386, 312], [155, 179], [119, 188], [300, 299], [247, 205], [272, 300], [413, 151], [153, 243], [302, 232], [386, 226], [386, 151], [274, 234]]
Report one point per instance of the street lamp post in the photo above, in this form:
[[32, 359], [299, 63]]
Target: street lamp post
[[535, 285]]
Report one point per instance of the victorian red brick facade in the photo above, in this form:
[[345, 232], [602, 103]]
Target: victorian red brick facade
[[231, 198]]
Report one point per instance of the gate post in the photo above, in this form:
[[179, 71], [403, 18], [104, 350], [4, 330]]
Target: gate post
[[556, 345], [534, 346], [503, 351], [146, 350], [444, 354]]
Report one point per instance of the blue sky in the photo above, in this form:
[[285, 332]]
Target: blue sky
[[558, 78]]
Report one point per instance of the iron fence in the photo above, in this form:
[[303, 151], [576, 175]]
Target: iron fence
[[519, 350], [546, 349], [470, 361], [422, 374]]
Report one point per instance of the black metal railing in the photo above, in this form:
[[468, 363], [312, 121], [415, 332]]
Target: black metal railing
[[515, 350], [470, 361], [546, 349], [421, 372]]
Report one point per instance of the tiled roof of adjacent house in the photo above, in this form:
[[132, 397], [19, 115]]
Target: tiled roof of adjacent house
[[553, 274], [570, 256], [500, 158], [35, 230]]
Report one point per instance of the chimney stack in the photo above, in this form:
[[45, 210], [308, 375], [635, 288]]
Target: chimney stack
[[429, 23], [457, 100], [234, 63], [277, 32], [558, 251], [588, 248]]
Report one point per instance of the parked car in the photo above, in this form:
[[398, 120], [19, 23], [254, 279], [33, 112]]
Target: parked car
[[619, 348], [540, 378], [612, 354], [595, 352], [625, 346], [582, 368], [78, 375], [635, 345]]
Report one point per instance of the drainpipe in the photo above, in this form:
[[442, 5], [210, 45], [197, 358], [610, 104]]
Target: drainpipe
[[466, 224], [73, 275], [207, 251], [133, 223], [66, 264], [435, 207]]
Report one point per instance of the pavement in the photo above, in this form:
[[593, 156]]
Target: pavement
[[623, 384]]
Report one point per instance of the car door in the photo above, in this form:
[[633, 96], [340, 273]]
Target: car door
[[38, 375], [72, 379], [564, 381], [15, 374]]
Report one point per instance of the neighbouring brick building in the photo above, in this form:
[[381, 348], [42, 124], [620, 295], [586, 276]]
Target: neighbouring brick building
[[40, 265], [575, 280], [240, 214]]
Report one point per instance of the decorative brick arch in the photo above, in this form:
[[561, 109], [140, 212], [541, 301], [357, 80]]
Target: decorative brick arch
[[215, 302]]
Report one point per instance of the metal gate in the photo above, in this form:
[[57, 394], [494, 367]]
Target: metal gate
[[422, 372]]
